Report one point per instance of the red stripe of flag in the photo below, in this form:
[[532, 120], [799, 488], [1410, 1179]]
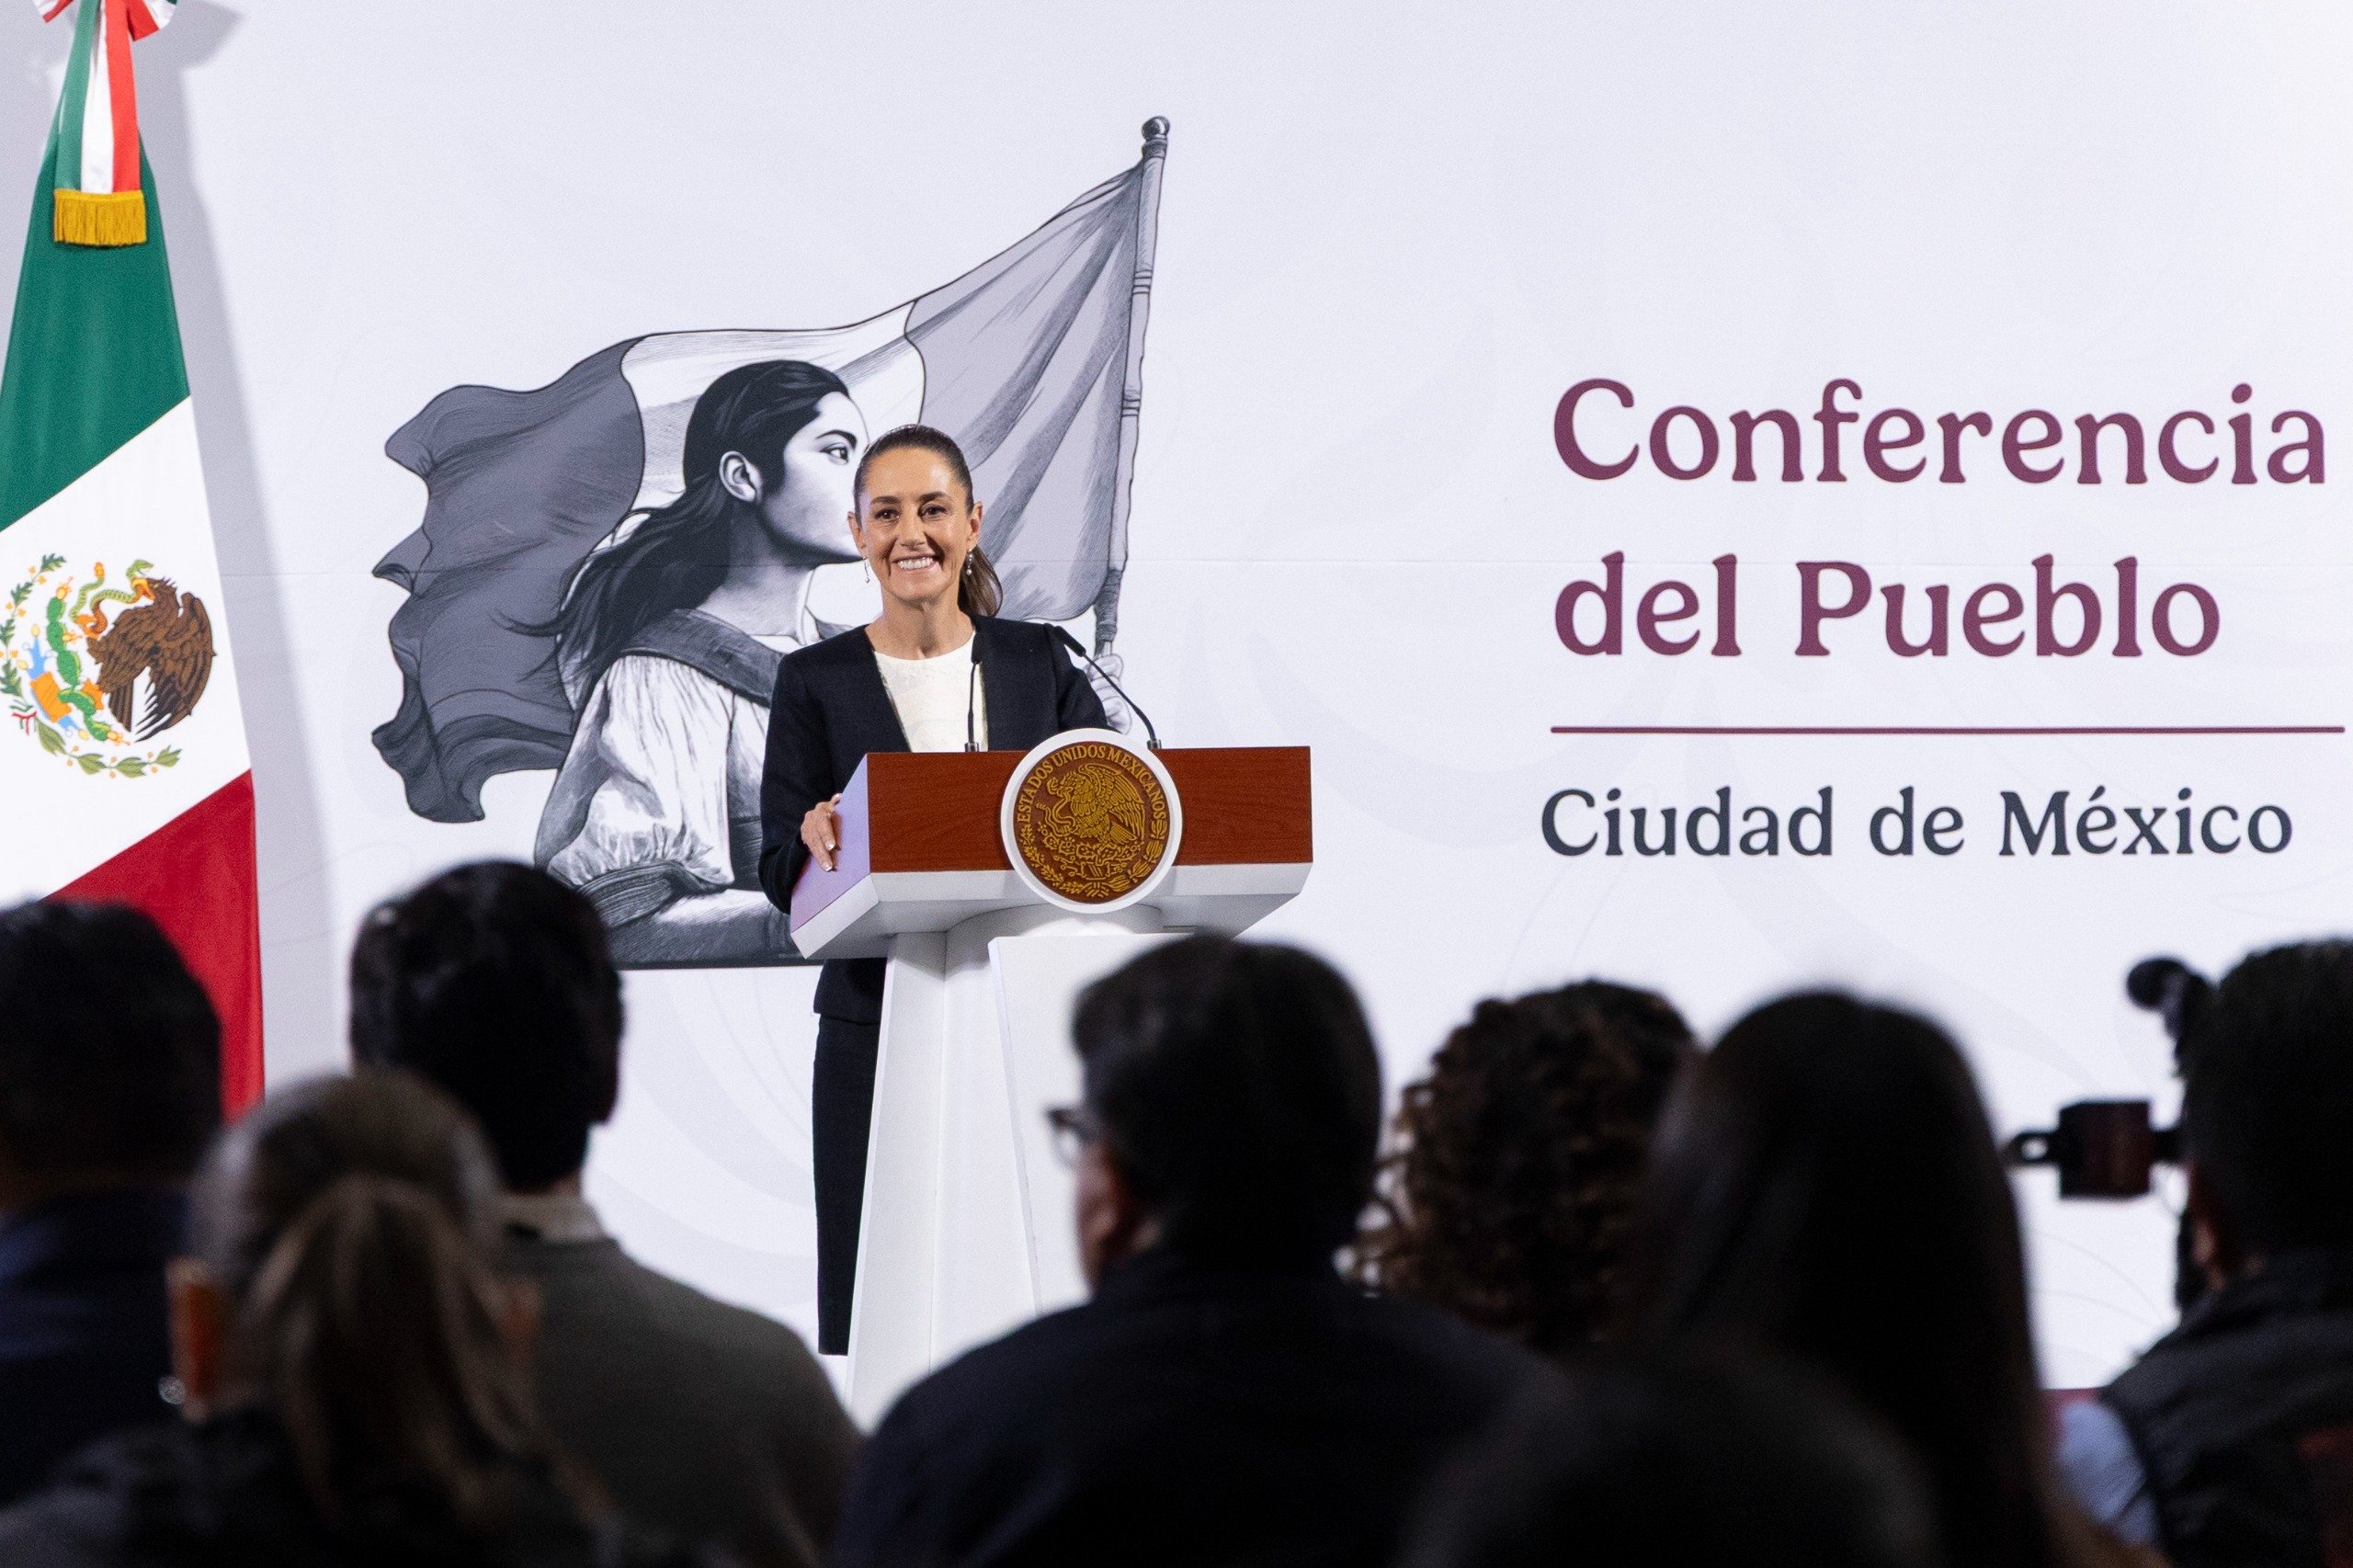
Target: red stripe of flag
[[195, 878], [124, 109]]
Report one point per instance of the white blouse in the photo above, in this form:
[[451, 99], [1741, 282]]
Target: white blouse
[[933, 697], [659, 798]]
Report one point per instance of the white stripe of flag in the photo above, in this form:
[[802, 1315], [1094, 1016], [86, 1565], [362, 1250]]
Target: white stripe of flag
[[98, 117]]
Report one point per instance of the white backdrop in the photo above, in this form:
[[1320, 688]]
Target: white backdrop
[[1391, 237]]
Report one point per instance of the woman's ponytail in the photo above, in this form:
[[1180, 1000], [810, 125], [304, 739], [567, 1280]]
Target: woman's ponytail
[[347, 1224], [379, 1335], [979, 592]]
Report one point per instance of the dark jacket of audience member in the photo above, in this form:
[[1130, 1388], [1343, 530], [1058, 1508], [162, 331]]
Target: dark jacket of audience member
[[102, 1116], [350, 1366], [702, 1420], [1825, 1186], [2240, 1422], [1224, 1397], [1671, 1465], [1509, 1196]]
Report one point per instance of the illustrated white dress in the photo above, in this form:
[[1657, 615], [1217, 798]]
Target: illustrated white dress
[[659, 796]]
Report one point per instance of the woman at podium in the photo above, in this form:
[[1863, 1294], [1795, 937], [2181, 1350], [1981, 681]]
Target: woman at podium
[[935, 671]]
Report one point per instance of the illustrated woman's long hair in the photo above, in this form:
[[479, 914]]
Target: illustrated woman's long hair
[[1825, 1184], [347, 1222], [978, 591], [677, 554]]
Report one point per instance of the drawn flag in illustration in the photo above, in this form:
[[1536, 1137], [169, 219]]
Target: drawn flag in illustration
[[123, 769], [1031, 361]]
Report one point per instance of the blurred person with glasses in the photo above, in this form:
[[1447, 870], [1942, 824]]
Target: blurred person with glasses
[[1225, 1395]]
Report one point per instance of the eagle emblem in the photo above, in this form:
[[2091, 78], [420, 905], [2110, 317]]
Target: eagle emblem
[[1098, 814], [94, 669], [1089, 820]]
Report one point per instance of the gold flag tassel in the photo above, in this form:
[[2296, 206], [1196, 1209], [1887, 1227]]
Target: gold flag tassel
[[100, 217]]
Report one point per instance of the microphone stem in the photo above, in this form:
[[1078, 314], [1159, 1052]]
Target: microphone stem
[[1152, 736]]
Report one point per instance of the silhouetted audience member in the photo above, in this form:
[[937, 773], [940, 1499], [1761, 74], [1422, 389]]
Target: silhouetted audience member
[[1225, 1396], [109, 1087], [2230, 1442], [1712, 1465], [1824, 1184], [351, 1372], [1509, 1197], [702, 1420]]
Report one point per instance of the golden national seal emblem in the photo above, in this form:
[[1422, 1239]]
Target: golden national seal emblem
[[96, 668], [1091, 820]]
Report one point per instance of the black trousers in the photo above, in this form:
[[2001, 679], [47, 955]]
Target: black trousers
[[841, 1113]]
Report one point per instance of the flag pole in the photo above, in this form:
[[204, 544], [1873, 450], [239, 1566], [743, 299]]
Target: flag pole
[[1156, 154]]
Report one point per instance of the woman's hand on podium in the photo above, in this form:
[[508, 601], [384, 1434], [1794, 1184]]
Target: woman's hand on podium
[[817, 832]]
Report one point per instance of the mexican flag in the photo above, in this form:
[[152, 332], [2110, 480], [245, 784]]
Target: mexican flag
[[123, 769]]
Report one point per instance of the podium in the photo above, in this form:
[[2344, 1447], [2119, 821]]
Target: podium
[[999, 885]]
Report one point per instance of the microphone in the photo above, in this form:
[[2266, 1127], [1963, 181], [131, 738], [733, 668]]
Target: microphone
[[1152, 736], [972, 690]]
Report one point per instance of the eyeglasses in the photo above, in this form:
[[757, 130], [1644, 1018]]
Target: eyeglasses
[[1074, 1126]]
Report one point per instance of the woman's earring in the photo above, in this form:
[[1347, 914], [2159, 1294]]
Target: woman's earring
[[868, 568]]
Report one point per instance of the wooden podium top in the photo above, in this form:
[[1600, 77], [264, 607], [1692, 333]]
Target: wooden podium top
[[920, 831]]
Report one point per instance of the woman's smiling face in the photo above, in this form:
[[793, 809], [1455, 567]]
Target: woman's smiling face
[[916, 525]]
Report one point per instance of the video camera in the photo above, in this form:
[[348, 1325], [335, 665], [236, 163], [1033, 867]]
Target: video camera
[[2111, 1148]]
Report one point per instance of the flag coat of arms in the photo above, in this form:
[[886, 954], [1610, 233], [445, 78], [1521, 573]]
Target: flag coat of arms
[[123, 766]]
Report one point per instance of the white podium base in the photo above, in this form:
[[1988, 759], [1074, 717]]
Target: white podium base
[[966, 1225]]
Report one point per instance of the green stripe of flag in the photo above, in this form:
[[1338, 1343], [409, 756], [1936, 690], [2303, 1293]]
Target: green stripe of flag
[[77, 96], [94, 355]]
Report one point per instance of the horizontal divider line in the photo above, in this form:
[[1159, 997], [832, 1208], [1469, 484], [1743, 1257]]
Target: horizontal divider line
[[1948, 729]]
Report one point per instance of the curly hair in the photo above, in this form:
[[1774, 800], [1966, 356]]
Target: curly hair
[[1508, 1194]]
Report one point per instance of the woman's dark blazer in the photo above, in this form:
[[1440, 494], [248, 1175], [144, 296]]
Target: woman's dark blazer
[[830, 710]]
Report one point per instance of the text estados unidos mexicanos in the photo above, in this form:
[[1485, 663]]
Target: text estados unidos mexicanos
[[1596, 440], [2061, 822]]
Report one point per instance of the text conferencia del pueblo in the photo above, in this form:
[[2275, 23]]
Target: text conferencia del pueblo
[[1597, 441]]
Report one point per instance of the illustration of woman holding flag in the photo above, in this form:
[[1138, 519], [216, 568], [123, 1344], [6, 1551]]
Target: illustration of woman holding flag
[[610, 565], [667, 640]]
